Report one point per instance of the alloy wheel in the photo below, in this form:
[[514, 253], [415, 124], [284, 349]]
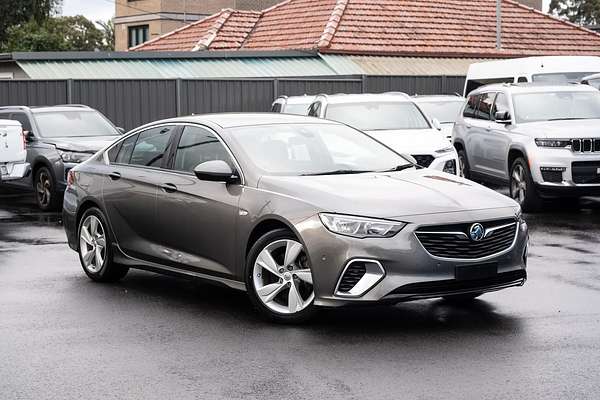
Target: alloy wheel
[[282, 277], [92, 244], [461, 166], [518, 185], [44, 188]]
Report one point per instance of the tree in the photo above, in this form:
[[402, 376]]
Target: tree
[[56, 34], [15, 12], [585, 12], [108, 31]]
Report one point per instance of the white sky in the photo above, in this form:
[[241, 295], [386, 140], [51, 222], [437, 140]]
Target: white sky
[[105, 9]]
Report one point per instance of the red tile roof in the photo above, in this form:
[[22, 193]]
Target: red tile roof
[[392, 27]]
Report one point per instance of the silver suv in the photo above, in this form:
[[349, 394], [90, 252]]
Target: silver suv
[[544, 141]]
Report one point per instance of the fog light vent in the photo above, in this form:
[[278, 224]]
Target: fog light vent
[[358, 277], [552, 174]]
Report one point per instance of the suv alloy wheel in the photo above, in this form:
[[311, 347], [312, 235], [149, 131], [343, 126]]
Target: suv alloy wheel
[[522, 188]]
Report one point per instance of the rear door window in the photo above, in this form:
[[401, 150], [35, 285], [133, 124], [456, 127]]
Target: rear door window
[[196, 146], [471, 107], [151, 145], [125, 150]]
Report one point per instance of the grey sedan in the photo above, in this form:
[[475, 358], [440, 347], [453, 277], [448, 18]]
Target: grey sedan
[[297, 211]]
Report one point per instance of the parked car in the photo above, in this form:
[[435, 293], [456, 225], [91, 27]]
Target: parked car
[[444, 108], [396, 121], [299, 212], [13, 153], [547, 69], [297, 105], [544, 141], [58, 138]]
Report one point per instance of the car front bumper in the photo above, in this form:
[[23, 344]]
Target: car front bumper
[[409, 271], [444, 161]]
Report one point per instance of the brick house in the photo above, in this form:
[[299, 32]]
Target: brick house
[[137, 21]]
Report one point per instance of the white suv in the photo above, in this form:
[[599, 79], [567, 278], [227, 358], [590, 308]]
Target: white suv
[[396, 121], [542, 140]]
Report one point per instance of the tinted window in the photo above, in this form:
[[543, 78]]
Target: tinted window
[[378, 116], [485, 106], [276, 108], [562, 77], [501, 104], [198, 145], [125, 150], [150, 147], [554, 106], [73, 123], [300, 149], [114, 152], [471, 107], [23, 119]]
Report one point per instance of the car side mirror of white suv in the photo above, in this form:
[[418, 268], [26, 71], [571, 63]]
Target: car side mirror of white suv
[[436, 124], [503, 117]]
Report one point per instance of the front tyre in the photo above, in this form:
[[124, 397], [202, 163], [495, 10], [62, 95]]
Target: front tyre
[[95, 252], [522, 188], [279, 279], [463, 164], [46, 196]]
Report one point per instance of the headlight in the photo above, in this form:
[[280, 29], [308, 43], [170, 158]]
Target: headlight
[[553, 142], [445, 150], [73, 157], [360, 227]]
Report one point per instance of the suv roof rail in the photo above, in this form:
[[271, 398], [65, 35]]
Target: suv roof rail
[[69, 105], [396, 93], [14, 107]]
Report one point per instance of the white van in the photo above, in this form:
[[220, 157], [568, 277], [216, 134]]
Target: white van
[[12, 151], [549, 69]]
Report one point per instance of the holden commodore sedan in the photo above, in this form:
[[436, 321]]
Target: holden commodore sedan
[[299, 212]]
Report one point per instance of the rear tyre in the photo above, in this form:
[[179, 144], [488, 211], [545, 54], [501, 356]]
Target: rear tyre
[[462, 298], [279, 278], [522, 188], [463, 164], [95, 252], [44, 185]]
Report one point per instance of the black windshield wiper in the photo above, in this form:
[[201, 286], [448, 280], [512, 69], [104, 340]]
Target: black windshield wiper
[[337, 172], [400, 168]]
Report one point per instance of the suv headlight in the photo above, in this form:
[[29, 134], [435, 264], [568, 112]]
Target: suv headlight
[[553, 142], [445, 150], [73, 156], [360, 227]]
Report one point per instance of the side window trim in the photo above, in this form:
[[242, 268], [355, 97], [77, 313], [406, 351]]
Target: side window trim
[[177, 127]]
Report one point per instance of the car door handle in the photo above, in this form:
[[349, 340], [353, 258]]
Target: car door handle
[[115, 176], [168, 187]]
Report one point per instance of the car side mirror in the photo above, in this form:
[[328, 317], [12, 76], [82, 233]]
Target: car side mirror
[[502, 117], [216, 171], [436, 124], [121, 130], [29, 137]]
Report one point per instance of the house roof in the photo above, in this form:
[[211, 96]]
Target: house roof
[[450, 28]]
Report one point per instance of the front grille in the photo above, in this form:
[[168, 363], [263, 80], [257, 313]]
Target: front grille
[[351, 276], [585, 145], [453, 285], [424, 160], [453, 241], [586, 172]]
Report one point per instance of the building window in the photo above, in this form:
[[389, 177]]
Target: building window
[[138, 35]]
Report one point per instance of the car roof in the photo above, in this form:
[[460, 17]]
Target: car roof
[[534, 88], [231, 120], [367, 98], [39, 109]]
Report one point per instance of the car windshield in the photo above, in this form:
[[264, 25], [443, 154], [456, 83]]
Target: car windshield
[[313, 149], [75, 123], [297, 109], [552, 106], [376, 116], [446, 112]]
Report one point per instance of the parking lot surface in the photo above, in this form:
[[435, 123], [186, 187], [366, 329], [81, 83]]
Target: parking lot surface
[[157, 337]]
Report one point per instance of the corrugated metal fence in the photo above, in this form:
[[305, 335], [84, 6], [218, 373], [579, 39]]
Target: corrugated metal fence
[[130, 103]]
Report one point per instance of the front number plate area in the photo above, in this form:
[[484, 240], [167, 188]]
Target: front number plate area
[[472, 272]]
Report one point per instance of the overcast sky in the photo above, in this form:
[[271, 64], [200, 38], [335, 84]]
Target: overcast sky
[[105, 9]]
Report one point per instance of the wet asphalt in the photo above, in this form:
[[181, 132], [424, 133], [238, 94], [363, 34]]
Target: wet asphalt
[[156, 337]]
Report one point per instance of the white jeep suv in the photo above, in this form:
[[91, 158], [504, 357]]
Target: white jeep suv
[[541, 140], [396, 121]]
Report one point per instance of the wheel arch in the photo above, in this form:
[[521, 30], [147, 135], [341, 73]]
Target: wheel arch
[[513, 153], [264, 226]]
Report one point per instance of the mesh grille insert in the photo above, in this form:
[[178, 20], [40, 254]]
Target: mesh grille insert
[[351, 276]]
